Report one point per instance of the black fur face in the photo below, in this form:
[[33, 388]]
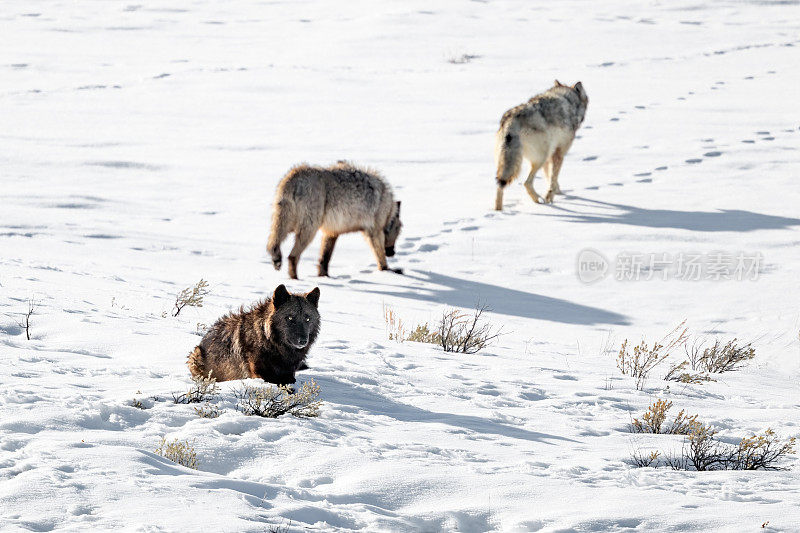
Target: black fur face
[[392, 231], [295, 320]]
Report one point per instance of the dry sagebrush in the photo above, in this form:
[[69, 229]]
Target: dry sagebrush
[[639, 362], [464, 333], [272, 402], [723, 357], [191, 297], [654, 420], [457, 331], [180, 452], [703, 451], [203, 389]]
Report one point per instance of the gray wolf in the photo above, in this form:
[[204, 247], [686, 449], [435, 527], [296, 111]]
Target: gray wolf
[[341, 198], [541, 130], [268, 341]]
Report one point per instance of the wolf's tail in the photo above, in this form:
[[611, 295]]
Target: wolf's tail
[[196, 362], [508, 152], [282, 217]]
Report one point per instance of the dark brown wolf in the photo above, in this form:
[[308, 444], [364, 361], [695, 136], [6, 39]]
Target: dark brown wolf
[[269, 341], [337, 199]]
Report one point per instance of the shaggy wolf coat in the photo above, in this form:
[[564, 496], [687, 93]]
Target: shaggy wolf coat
[[269, 341], [338, 199], [541, 130]]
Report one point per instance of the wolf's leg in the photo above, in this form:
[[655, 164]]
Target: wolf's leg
[[498, 199], [328, 242], [554, 163], [301, 241], [378, 244], [535, 166]]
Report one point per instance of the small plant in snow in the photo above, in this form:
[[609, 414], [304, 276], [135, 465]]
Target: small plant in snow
[[644, 358], [463, 333], [180, 452], [702, 451], [655, 418], [25, 322], [203, 388], [137, 404], [423, 333], [395, 329], [677, 372], [208, 410], [191, 297], [272, 402], [642, 460], [283, 528], [720, 357], [725, 357], [762, 452]]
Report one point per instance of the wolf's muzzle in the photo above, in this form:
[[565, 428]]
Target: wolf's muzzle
[[300, 344]]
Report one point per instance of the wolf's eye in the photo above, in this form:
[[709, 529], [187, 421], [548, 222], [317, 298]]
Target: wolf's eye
[[290, 318], [308, 319]]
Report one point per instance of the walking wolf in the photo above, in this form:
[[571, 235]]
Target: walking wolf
[[338, 199], [541, 130]]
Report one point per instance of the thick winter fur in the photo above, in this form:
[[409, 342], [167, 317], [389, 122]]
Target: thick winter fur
[[338, 199], [269, 341], [541, 130]]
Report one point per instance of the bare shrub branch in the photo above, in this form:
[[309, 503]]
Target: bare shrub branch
[[645, 358], [462, 333], [208, 410], [203, 388], [702, 451], [25, 322], [762, 452], [642, 460], [726, 357], [191, 297], [676, 373], [272, 402]]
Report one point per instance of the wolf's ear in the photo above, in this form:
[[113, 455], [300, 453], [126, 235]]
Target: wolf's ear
[[579, 88], [313, 296], [398, 207], [280, 296], [559, 84]]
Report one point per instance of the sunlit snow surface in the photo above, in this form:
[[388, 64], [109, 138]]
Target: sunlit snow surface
[[140, 145]]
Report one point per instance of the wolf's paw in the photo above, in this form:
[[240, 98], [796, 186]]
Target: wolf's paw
[[277, 263]]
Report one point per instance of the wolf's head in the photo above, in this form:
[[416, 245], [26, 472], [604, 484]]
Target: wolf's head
[[576, 94], [295, 320], [578, 88], [392, 230]]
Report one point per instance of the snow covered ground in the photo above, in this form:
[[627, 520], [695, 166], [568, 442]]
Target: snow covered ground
[[140, 145]]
